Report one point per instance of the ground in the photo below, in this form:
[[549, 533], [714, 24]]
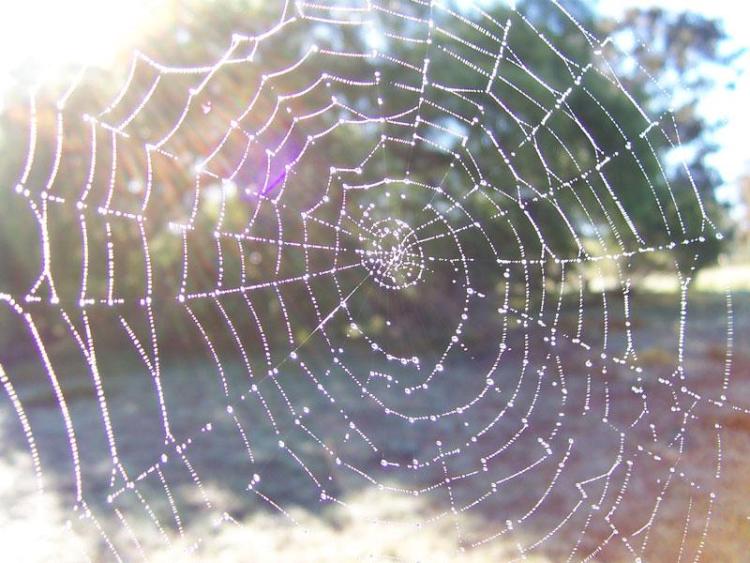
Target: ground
[[661, 500]]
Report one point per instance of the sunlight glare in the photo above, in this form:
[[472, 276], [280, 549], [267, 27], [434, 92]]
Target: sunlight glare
[[42, 36]]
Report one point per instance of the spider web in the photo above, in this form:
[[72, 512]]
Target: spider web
[[556, 435]]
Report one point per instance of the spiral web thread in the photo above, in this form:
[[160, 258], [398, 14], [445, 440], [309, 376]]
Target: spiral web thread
[[521, 418]]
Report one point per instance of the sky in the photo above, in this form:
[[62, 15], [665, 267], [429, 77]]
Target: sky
[[723, 104], [89, 31]]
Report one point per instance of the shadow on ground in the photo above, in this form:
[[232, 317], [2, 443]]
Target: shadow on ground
[[542, 448]]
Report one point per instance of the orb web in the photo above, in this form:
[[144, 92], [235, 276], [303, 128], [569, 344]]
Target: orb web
[[381, 259]]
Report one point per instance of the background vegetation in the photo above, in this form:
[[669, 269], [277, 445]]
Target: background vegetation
[[670, 50]]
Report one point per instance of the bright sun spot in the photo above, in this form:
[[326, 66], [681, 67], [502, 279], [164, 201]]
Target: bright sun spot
[[42, 36]]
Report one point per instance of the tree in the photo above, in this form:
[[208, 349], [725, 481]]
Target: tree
[[569, 139]]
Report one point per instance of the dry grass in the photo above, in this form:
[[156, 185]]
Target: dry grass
[[376, 525]]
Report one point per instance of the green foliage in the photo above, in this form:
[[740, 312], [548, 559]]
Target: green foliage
[[558, 194]]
